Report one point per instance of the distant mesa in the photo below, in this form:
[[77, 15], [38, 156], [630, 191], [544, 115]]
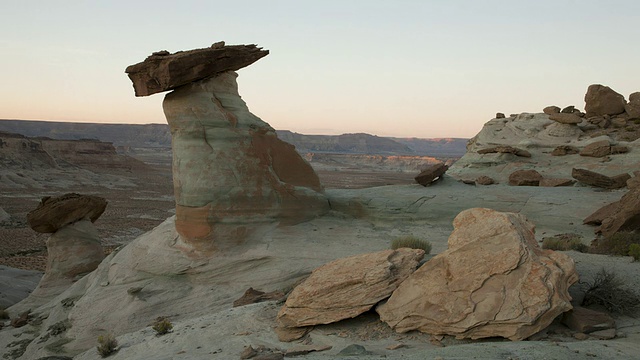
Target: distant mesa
[[163, 71]]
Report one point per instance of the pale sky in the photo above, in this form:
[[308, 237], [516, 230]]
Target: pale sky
[[390, 68]]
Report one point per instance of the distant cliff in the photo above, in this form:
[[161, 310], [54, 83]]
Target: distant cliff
[[20, 152], [149, 135], [158, 135]]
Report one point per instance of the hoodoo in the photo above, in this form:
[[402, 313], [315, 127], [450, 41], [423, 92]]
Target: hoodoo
[[232, 175]]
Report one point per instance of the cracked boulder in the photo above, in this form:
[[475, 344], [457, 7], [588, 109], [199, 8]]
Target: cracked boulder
[[493, 281]]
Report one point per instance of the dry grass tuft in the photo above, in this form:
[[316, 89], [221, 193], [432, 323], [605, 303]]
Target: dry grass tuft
[[564, 242], [107, 345], [610, 291], [411, 242], [162, 325]]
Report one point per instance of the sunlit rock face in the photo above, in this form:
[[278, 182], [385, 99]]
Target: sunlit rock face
[[231, 174]]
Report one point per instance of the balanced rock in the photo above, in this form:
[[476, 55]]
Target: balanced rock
[[551, 110], [231, 173], [602, 100], [505, 149], [347, 287], [163, 71], [494, 280], [431, 174], [599, 180], [565, 118], [569, 110], [525, 178], [54, 213], [72, 252]]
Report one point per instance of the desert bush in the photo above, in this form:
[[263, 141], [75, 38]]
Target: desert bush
[[564, 242], [411, 242], [634, 251], [616, 244], [609, 290], [162, 325], [107, 345]]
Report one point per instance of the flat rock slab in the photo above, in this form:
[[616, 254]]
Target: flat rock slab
[[163, 71], [54, 213], [348, 287], [505, 150], [599, 180]]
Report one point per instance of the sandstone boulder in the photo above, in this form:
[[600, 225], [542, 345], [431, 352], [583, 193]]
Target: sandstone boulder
[[597, 149], [585, 320], [484, 180], [431, 174], [555, 182], [232, 175], [494, 280], [599, 180], [164, 71], [57, 212], [566, 118], [563, 150], [348, 287], [500, 116], [525, 178], [505, 150], [602, 100], [625, 217], [551, 110]]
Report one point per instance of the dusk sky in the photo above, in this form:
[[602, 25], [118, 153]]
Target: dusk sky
[[390, 68]]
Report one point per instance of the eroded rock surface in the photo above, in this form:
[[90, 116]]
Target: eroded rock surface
[[494, 280]]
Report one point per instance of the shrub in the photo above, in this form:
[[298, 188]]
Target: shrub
[[411, 242], [107, 345], [609, 290], [634, 251], [616, 244], [564, 242], [4, 314], [162, 325]]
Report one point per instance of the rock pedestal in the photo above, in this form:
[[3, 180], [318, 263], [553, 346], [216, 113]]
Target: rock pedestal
[[231, 173]]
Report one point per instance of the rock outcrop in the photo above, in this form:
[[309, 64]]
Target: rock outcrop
[[73, 250], [163, 71], [54, 213], [494, 280], [347, 287]]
